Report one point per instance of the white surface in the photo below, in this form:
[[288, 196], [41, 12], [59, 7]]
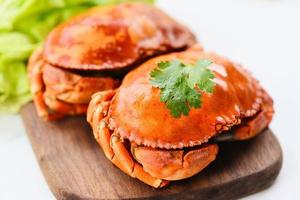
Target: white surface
[[261, 34]]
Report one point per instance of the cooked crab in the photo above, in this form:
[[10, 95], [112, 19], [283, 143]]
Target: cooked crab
[[139, 135], [90, 52]]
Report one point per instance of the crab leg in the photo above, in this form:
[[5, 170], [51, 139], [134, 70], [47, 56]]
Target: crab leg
[[251, 127], [63, 107], [255, 125], [113, 147], [123, 159], [57, 93], [95, 115], [74, 88], [37, 86], [98, 107]]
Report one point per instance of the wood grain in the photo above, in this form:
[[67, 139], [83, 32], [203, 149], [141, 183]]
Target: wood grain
[[75, 167]]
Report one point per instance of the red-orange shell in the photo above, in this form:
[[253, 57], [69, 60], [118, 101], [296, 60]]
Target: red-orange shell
[[114, 37], [138, 114]]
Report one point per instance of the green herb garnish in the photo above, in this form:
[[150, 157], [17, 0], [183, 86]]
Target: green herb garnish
[[180, 84]]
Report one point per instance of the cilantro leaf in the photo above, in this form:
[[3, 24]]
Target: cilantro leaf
[[180, 84]]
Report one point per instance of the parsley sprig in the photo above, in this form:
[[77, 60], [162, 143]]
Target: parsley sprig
[[180, 84]]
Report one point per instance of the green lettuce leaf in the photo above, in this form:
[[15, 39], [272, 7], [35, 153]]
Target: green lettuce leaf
[[14, 87]]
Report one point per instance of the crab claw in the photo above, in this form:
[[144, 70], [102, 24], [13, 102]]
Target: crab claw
[[174, 164], [252, 126], [58, 92]]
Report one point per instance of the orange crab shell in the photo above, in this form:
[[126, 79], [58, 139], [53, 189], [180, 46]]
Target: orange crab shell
[[114, 37], [137, 113]]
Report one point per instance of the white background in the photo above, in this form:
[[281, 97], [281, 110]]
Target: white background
[[264, 35]]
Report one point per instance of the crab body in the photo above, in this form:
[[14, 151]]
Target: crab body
[[139, 135], [92, 51]]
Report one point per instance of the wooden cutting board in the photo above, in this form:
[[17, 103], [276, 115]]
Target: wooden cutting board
[[75, 167]]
